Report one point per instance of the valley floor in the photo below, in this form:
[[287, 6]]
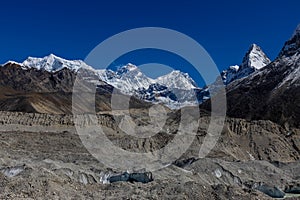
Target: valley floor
[[40, 160]]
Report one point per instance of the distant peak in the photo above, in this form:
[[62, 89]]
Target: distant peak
[[130, 66], [234, 67], [54, 57], [254, 47], [176, 72], [125, 69], [291, 46], [47, 57], [53, 63], [177, 79], [255, 58], [12, 63]]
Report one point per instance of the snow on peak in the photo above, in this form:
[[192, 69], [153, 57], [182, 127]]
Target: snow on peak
[[126, 68], [131, 67], [291, 46], [53, 63], [177, 79], [12, 62], [234, 67], [254, 60], [127, 78]]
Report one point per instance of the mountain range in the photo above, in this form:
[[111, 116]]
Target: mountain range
[[176, 89], [256, 156], [257, 88]]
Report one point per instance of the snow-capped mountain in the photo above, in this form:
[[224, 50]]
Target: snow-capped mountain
[[290, 55], [178, 80], [255, 59], [270, 88], [127, 78], [175, 89], [52, 63], [272, 92]]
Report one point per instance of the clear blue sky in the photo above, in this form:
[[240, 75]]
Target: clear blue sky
[[71, 29]]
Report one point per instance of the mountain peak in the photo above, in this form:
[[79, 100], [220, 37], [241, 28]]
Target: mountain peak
[[255, 58], [53, 63], [12, 62], [128, 68], [292, 46], [177, 79], [49, 58], [51, 55], [131, 66], [254, 47]]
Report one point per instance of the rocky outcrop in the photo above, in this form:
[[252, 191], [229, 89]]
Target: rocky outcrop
[[240, 139]]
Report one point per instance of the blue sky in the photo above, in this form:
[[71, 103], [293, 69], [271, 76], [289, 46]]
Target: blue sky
[[71, 29]]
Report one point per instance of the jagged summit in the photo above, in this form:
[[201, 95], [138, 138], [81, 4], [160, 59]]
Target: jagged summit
[[126, 68], [273, 92], [12, 62], [177, 79], [53, 63], [128, 79], [292, 46], [255, 59]]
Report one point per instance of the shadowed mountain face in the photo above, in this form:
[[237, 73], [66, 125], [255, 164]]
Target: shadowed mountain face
[[33, 90], [273, 92], [15, 77], [275, 99], [268, 93]]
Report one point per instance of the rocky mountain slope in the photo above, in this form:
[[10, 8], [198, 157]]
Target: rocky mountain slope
[[270, 93], [35, 90]]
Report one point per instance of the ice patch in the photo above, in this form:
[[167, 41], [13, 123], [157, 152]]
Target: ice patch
[[218, 173], [251, 156], [104, 178], [12, 171], [83, 179]]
